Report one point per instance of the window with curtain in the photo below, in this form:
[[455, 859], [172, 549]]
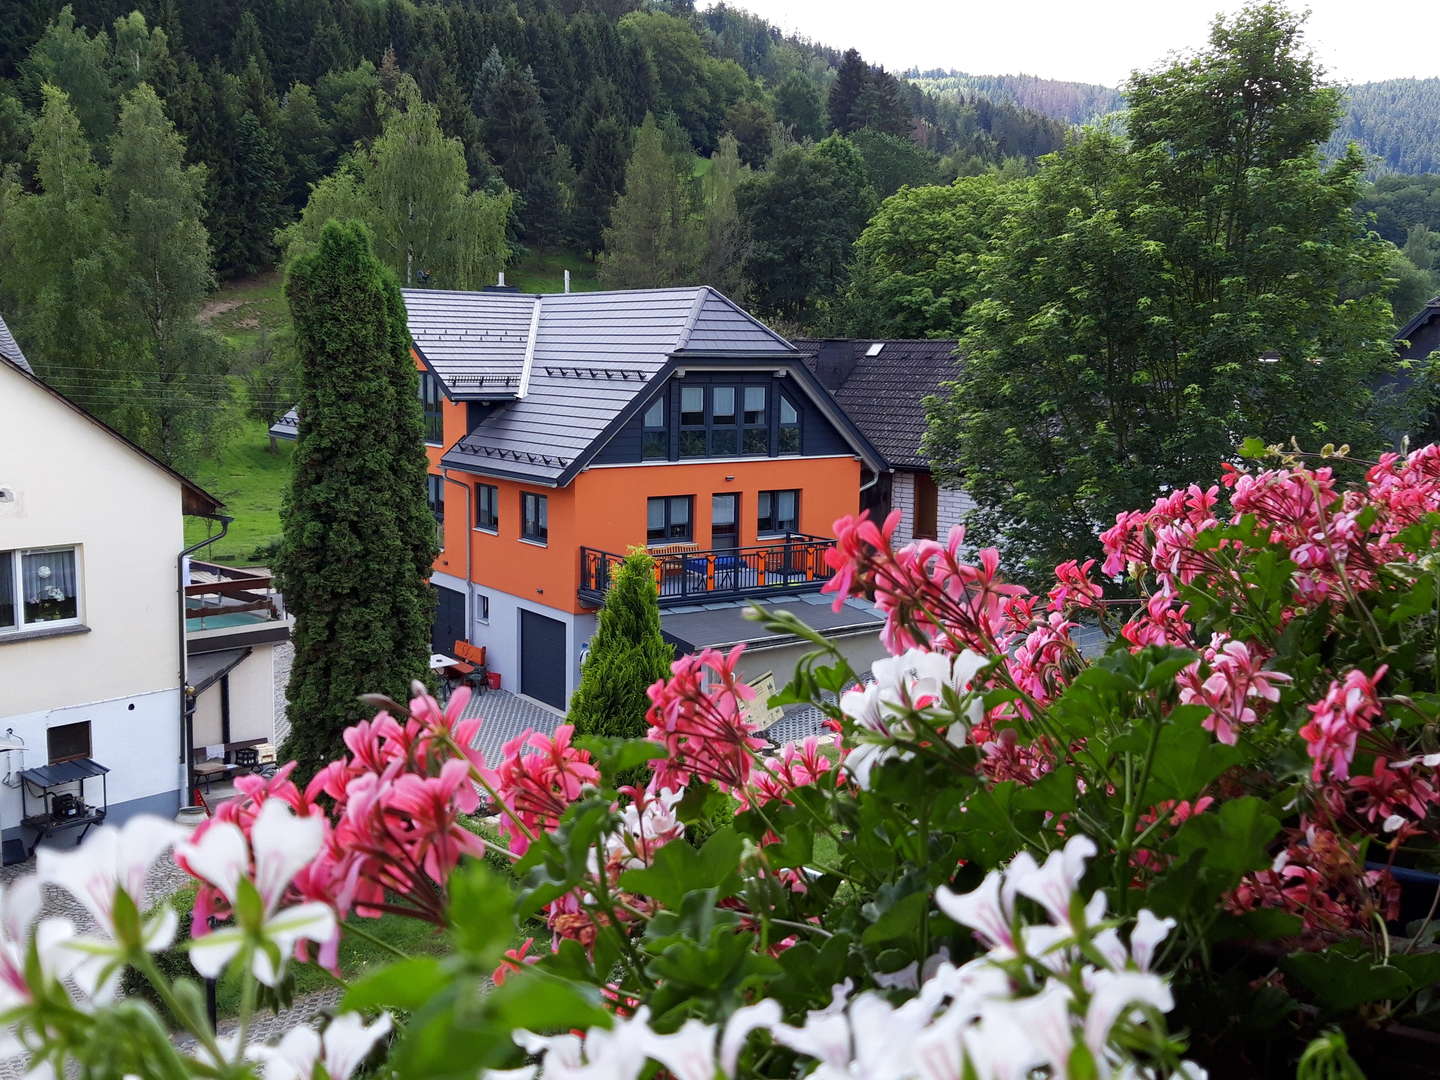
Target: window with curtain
[[669, 519], [535, 517], [38, 587], [487, 507], [778, 512]]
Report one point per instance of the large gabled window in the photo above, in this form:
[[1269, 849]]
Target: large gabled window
[[789, 425], [431, 397], [534, 517], [670, 519], [655, 436]]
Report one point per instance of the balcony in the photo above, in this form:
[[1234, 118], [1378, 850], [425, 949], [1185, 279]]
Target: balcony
[[224, 602], [684, 575]]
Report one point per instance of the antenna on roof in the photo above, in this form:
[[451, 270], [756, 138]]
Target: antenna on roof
[[567, 281]]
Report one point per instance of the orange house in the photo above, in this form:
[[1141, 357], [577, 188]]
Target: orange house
[[566, 429]]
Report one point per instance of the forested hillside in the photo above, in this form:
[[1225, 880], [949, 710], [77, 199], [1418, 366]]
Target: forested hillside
[[1396, 122]]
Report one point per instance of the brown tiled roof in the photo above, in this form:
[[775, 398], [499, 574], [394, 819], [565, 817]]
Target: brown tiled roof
[[884, 394]]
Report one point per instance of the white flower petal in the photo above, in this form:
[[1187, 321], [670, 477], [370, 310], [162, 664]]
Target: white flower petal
[[763, 1014], [348, 1041], [1149, 932], [688, 1054], [294, 1057], [220, 856], [1114, 993], [209, 954], [283, 845]]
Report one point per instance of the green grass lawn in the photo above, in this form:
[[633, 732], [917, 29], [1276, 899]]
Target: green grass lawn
[[242, 308], [543, 271], [700, 166], [251, 481]]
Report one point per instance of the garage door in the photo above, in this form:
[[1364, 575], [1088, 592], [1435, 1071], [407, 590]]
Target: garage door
[[543, 660], [449, 624]]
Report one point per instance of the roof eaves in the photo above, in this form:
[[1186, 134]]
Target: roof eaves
[[1421, 317]]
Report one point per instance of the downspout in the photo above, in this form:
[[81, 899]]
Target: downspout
[[469, 539], [187, 702]]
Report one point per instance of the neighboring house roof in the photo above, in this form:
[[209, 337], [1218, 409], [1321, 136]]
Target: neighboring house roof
[[883, 389], [194, 498], [10, 349], [1421, 318]]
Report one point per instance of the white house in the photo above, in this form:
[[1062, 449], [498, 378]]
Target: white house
[[92, 638]]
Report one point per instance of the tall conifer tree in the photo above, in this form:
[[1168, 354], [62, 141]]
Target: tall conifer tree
[[654, 238], [358, 537]]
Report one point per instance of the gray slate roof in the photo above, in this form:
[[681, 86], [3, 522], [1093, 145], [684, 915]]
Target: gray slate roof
[[884, 394], [590, 356], [10, 349]]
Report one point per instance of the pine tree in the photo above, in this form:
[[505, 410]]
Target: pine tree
[[358, 537], [304, 143], [880, 106], [654, 239], [602, 176], [157, 201], [845, 91], [518, 136], [252, 189], [627, 655]]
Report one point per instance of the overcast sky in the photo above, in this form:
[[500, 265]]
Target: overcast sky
[[1098, 40]]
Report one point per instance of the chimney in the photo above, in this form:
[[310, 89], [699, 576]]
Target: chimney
[[834, 362], [500, 285]]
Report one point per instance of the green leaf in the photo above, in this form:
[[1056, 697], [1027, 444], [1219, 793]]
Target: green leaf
[[615, 756], [539, 1001], [406, 985], [1187, 757], [481, 911], [678, 869], [1253, 448], [1341, 983]]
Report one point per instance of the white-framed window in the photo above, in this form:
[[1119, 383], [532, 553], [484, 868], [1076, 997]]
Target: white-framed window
[[482, 608], [39, 588]]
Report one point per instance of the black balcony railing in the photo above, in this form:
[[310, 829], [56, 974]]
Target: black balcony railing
[[685, 575]]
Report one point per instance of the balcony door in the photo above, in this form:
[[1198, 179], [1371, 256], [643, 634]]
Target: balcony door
[[725, 521]]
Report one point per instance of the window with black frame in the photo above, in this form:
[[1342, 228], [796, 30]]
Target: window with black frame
[[534, 517], [724, 420], [669, 519], [778, 513], [435, 497], [655, 439], [692, 421], [431, 396], [754, 419], [789, 441], [487, 507]]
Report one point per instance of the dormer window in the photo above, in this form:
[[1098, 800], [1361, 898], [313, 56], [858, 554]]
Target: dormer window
[[656, 436], [789, 427]]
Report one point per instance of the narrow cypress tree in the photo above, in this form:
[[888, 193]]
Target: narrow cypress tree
[[358, 539], [627, 655]]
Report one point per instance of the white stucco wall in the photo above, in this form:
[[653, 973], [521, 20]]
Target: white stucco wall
[[252, 702], [74, 483], [137, 737]]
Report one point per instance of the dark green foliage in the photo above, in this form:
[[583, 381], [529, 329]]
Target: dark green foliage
[[1399, 203], [627, 655], [518, 137], [802, 216], [845, 91], [1134, 286], [750, 123], [1396, 122], [892, 161], [798, 106], [251, 193], [359, 539], [602, 176]]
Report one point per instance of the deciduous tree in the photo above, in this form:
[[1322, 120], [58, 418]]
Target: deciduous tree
[[358, 537], [1151, 302]]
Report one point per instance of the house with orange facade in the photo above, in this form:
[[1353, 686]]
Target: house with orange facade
[[566, 429]]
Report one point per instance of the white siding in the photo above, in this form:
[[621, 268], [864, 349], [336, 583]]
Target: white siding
[[951, 507]]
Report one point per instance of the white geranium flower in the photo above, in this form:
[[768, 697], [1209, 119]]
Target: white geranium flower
[[1149, 932], [347, 1041], [280, 845], [111, 862], [763, 1014], [985, 909], [1112, 995], [1054, 882]]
